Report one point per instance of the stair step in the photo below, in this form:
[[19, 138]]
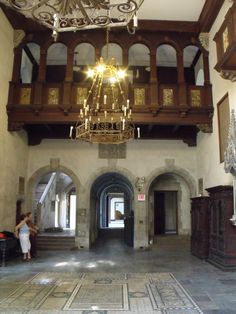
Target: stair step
[[55, 243]]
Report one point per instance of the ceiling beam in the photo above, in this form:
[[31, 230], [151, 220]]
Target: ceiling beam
[[209, 14], [169, 26]]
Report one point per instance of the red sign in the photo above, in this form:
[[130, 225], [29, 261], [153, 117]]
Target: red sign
[[141, 197]]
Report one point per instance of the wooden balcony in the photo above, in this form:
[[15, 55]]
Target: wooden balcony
[[50, 109]]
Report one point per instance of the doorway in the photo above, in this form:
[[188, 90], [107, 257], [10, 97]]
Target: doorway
[[111, 204], [165, 212], [55, 203]]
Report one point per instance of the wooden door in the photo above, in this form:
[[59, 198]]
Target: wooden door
[[159, 212]]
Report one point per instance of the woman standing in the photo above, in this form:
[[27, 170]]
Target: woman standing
[[22, 232], [33, 234]]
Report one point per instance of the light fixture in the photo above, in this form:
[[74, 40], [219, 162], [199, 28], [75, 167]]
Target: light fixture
[[73, 15], [106, 113]]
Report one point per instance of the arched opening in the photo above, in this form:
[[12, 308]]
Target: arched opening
[[84, 56], [193, 62], [139, 63], [113, 50], [55, 203], [170, 197], [111, 207], [166, 62], [30, 63], [56, 63]]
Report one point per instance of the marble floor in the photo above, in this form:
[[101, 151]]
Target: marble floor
[[210, 289]]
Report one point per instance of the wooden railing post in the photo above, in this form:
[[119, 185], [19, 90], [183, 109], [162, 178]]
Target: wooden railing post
[[182, 88], [153, 79]]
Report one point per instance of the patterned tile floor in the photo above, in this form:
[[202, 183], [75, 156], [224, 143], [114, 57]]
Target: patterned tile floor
[[97, 293], [79, 282]]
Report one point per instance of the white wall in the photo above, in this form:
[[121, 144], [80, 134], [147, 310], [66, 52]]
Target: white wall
[[208, 157], [143, 157], [13, 146]]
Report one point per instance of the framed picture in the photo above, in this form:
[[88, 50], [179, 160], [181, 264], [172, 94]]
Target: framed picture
[[223, 124]]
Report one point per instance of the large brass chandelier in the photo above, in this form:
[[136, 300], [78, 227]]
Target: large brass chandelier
[[106, 116], [72, 15]]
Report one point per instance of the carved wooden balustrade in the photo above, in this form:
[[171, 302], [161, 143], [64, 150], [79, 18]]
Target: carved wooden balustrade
[[153, 102]]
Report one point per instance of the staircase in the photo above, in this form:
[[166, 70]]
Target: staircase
[[55, 243]]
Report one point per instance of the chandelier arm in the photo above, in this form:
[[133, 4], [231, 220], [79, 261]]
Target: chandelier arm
[[22, 8], [99, 88], [92, 86]]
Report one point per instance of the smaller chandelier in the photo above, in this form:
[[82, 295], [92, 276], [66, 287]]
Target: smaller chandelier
[[106, 113], [73, 15]]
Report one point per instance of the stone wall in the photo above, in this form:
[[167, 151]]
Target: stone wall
[[145, 159], [13, 146]]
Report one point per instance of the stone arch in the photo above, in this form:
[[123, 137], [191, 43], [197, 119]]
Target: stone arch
[[190, 185], [184, 174], [35, 177], [93, 203], [124, 172]]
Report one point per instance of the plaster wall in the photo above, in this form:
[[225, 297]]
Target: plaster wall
[[13, 146], [208, 155], [143, 157]]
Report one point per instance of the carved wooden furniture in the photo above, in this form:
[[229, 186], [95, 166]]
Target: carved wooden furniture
[[200, 226], [222, 246], [225, 40]]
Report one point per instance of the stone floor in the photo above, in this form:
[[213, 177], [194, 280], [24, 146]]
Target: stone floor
[[213, 290]]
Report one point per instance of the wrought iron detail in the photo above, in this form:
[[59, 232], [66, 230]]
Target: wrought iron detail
[[72, 15]]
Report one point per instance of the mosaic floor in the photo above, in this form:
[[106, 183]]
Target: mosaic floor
[[96, 293]]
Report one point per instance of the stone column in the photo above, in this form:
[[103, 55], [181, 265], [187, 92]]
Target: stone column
[[82, 234], [141, 237]]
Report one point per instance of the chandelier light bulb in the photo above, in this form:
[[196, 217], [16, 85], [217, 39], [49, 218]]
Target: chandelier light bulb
[[90, 73]]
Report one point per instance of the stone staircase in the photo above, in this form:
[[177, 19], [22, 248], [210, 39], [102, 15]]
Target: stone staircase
[[55, 243]]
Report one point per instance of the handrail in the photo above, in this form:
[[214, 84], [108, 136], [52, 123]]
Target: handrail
[[45, 192]]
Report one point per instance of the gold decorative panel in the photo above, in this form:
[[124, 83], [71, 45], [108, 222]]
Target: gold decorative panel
[[225, 39], [25, 95], [53, 96], [81, 94], [139, 96], [168, 97], [195, 98]]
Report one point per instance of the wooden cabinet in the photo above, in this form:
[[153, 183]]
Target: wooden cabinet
[[222, 245], [200, 226]]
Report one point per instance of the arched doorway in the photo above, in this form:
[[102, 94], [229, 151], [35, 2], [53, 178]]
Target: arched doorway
[[170, 195], [55, 202], [111, 207]]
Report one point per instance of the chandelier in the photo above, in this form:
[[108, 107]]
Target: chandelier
[[73, 15], [106, 113]]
